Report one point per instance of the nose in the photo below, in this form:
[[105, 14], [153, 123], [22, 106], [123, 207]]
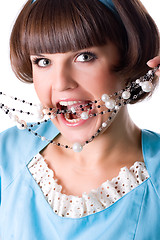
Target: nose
[[63, 79]]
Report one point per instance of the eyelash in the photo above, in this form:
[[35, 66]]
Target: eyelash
[[37, 60], [88, 53]]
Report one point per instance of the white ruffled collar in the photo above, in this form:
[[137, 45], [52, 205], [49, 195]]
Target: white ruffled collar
[[97, 200]]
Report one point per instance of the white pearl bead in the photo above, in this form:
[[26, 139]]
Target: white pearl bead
[[150, 72], [43, 138], [44, 111], [84, 115], [47, 117], [20, 123], [147, 86], [110, 104], [137, 81], [126, 95], [105, 97], [39, 115], [104, 125], [77, 147], [52, 117], [116, 107], [73, 110]]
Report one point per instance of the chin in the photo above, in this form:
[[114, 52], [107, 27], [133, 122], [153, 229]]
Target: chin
[[79, 134]]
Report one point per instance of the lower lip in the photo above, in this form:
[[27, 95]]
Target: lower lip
[[69, 124]]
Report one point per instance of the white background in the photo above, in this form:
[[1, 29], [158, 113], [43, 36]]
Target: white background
[[145, 115]]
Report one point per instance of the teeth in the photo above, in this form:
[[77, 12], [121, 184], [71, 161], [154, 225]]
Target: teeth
[[66, 115], [69, 103]]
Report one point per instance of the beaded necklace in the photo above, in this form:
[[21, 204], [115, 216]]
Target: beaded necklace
[[113, 103]]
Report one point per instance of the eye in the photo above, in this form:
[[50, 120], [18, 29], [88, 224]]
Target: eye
[[86, 57], [42, 62]]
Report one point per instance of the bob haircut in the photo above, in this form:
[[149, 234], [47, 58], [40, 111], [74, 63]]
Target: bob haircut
[[59, 26]]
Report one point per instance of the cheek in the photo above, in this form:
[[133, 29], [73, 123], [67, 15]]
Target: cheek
[[104, 82], [43, 91]]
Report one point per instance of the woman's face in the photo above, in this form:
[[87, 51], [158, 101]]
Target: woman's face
[[72, 79]]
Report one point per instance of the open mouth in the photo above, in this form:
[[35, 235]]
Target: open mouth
[[75, 111]]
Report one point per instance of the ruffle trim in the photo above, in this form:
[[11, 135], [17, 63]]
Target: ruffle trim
[[98, 199]]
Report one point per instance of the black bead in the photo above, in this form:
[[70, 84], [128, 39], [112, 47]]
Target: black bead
[[22, 125], [91, 108], [14, 109], [36, 134], [29, 130], [45, 120], [93, 137], [87, 142], [15, 98], [110, 118], [80, 106], [95, 101], [51, 141], [28, 113], [99, 106], [50, 109], [23, 101], [98, 131], [119, 104], [38, 123], [49, 113], [82, 109], [66, 146], [30, 104], [58, 144], [115, 111], [109, 110], [94, 114], [0, 93], [120, 97], [21, 111], [102, 113]]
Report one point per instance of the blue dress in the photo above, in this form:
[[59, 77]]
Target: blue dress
[[26, 215]]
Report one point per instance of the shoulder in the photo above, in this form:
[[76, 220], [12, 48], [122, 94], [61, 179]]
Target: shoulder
[[18, 141], [150, 141], [12, 141], [151, 153], [18, 147]]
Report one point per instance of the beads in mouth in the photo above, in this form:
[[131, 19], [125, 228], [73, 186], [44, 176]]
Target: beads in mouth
[[83, 110]]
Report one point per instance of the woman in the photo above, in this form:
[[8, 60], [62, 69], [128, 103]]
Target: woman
[[85, 59]]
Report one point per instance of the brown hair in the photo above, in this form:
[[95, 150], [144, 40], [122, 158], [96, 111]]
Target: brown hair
[[58, 26]]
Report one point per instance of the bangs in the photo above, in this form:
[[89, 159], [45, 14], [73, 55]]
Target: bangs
[[59, 26]]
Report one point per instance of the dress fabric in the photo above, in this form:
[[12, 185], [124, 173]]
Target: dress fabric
[[98, 199], [25, 214]]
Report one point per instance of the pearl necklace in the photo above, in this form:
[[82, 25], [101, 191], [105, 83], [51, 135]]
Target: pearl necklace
[[113, 103]]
